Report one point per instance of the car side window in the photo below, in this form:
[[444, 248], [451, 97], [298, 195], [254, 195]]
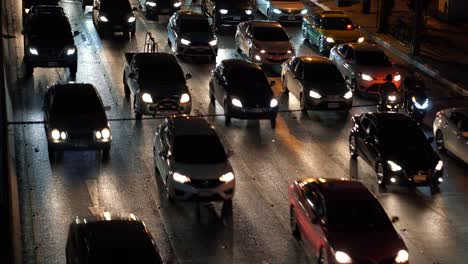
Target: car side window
[[365, 122], [349, 54], [248, 31], [293, 63], [342, 49], [298, 71]]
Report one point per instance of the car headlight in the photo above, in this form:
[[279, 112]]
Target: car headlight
[[361, 39], [273, 103], [289, 51], [348, 95], [304, 11], [342, 257], [330, 40], [184, 98], [366, 77], [152, 4], [146, 97], [236, 102], [393, 166], [227, 177], [105, 133], [214, 42], [103, 19], [419, 106], [257, 57], [402, 256], [131, 19], [71, 51], [276, 11], [223, 11], [397, 78], [33, 51], [262, 51], [177, 4], [57, 135], [26, 10], [180, 178], [314, 94], [185, 41], [248, 12], [63, 135], [439, 166]]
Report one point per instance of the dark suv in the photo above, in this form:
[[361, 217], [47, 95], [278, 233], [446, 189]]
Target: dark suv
[[228, 12], [114, 16], [48, 40], [27, 4]]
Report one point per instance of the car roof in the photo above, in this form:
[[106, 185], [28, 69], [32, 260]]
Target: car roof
[[315, 60], [365, 47], [41, 11], [75, 88], [238, 64], [191, 15], [391, 120], [340, 189], [186, 126], [332, 13], [264, 23]]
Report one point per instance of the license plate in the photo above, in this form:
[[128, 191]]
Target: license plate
[[117, 27], [52, 63], [236, 18], [333, 105], [256, 110], [204, 194], [420, 178], [165, 10], [80, 145], [291, 18]]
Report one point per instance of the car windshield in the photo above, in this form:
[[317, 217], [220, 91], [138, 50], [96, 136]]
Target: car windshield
[[196, 149], [116, 5], [166, 73], [76, 103], [401, 136], [270, 34], [356, 216], [322, 73], [372, 58], [195, 25], [243, 80], [50, 28], [336, 23]]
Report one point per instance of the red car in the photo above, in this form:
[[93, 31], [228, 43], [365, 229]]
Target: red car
[[343, 222]]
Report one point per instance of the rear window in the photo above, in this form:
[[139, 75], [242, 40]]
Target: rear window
[[196, 149], [372, 58], [76, 103], [270, 34]]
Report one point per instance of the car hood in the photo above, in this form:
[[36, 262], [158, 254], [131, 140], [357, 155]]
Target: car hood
[[202, 171], [343, 35], [203, 37], [56, 43], [158, 90], [367, 245], [273, 46], [414, 159], [377, 72], [285, 5], [251, 98], [78, 122], [327, 88]]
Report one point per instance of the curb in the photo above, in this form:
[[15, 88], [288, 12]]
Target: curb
[[406, 58]]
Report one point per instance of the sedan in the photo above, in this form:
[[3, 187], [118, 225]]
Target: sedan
[[75, 118], [244, 91], [317, 83], [451, 131], [228, 12], [394, 145], [154, 8], [264, 42], [114, 16], [343, 222], [364, 67]]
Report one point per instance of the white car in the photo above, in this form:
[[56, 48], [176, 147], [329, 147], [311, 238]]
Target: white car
[[451, 131], [192, 162], [282, 10]]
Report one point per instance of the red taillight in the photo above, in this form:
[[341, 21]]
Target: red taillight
[[439, 114], [349, 26]]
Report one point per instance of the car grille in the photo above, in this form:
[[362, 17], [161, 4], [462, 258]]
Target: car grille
[[205, 183], [80, 135], [276, 53], [292, 12], [50, 52]]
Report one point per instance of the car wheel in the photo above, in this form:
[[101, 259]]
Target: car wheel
[[126, 88], [29, 69], [132, 33], [73, 69], [322, 258], [212, 97], [227, 116], [302, 103], [380, 174], [293, 223], [439, 140], [352, 147]]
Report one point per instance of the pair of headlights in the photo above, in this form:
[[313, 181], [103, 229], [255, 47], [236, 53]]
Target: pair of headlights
[[367, 77], [420, 106], [395, 167], [184, 98], [187, 42], [401, 257], [332, 40], [225, 11], [237, 103], [153, 4], [184, 179], [279, 12], [70, 51], [103, 134], [103, 18], [316, 95]]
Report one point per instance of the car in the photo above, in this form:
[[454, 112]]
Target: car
[[192, 162], [364, 67], [264, 42], [317, 83], [282, 10], [228, 12], [157, 83], [341, 221], [451, 131], [75, 119], [243, 90], [154, 8], [111, 16], [48, 48], [27, 4], [329, 28], [190, 34], [110, 238], [395, 146]]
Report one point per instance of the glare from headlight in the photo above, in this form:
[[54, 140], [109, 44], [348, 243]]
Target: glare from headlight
[[439, 166], [393, 166], [262, 51], [223, 11], [146, 97], [366, 77], [330, 40], [402, 256], [314, 94], [257, 57], [105, 133], [184, 98], [397, 78], [361, 39], [214, 42], [55, 134], [63, 135], [177, 4], [180, 178], [304, 11], [103, 19], [236, 102], [227, 177], [342, 257], [248, 12], [185, 41], [26, 10], [423, 106], [348, 95], [289, 51], [392, 98], [276, 11], [152, 4], [33, 51], [71, 51], [131, 19], [273, 102], [98, 134]]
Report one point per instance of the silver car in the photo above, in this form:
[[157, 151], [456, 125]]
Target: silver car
[[192, 162], [364, 66], [451, 131], [264, 42], [282, 10]]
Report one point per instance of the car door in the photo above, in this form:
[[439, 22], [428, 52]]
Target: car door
[[450, 133], [288, 75], [314, 30], [297, 79], [220, 83], [245, 38], [311, 223], [47, 107], [372, 144], [164, 148], [339, 58], [348, 64], [462, 139], [362, 138], [132, 77]]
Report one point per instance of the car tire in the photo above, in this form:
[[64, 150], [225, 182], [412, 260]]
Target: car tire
[[227, 115], [169, 42], [126, 88], [29, 69], [439, 141], [296, 233], [322, 257], [380, 175], [273, 123], [352, 147], [212, 97], [73, 69]]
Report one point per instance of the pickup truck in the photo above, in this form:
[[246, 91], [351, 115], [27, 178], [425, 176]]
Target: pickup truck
[[156, 81]]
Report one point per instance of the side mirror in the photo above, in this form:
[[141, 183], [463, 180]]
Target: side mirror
[[107, 108], [188, 76], [163, 155], [395, 219], [76, 33], [131, 75], [272, 83], [134, 8], [430, 140]]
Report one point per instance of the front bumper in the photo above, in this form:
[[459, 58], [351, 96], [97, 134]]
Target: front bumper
[[293, 17], [420, 178], [116, 27], [194, 50], [271, 58], [205, 190], [253, 113], [158, 10], [232, 19], [52, 60], [372, 87], [79, 143], [165, 107], [332, 103]]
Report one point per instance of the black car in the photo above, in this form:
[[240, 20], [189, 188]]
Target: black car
[[396, 147], [153, 8], [75, 118], [114, 16], [317, 83], [242, 88], [110, 238], [228, 12], [48, 40], [190, 34], [27, 4]]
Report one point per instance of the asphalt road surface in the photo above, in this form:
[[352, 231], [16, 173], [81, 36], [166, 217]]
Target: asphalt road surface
[[265, 161]]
